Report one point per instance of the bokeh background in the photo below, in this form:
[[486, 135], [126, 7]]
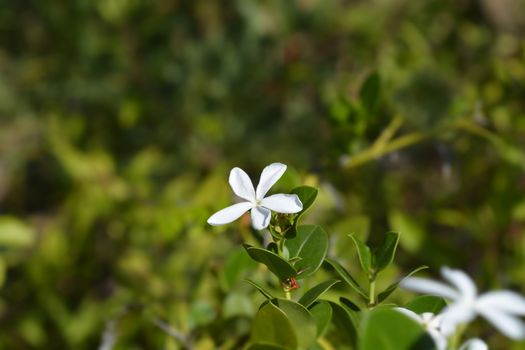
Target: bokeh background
[[120, 120]]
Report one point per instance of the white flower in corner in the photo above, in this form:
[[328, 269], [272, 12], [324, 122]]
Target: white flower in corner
[[431, 323], [501, 308], [256, 201], [474, 344]]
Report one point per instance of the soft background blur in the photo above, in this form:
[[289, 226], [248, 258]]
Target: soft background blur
[[120, 120]]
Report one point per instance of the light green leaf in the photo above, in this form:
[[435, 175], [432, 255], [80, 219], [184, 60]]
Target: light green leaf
[[388, 329], [385, 254], [344, 322], [312, 294], [426, 303], [15, 233], [280, 267], [302, 321], [345, 275], [271, 326], [322, 313], [364, 254], [311, 245], [263, 291], [391, 288]]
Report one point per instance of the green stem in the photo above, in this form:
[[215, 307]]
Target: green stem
[[372, 292], [288, 295]]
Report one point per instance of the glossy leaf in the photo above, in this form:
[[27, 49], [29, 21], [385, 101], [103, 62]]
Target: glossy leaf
[[391, 288], [345, 323], [388, 329], [345, 275], [280, 267], [426, 303], [271, 326], [322, 313], [261, 289], [364, 254], [301, 319], [385, 254], [307, 196], [313, 293], [311, 245]]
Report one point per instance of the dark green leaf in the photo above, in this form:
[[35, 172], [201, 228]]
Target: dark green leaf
[[271, 326], [322, 314], [280, 267], [311, 245], [385, 254], [388, 329], [391, 288], [349, 304], [345, 323], [307, 196], [370, 93], [301, 320], [312, 294], [426, 303], [345, 275], [263, 291], [364, 254]]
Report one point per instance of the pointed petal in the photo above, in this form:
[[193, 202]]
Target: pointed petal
[[409, 313], [423, 285], [269, 176], [507, 324], [241, 184], [456, 314], [461, 281], [283, 203], [229, 214], [474, 344], [260, 218], [503, 300], [439, 339]]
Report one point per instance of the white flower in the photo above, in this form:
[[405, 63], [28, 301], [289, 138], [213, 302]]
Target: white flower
[[500, 308], [431, 323], [259, 205], [474, 344]]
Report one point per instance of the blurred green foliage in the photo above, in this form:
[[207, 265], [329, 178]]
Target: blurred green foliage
[[120, 119]]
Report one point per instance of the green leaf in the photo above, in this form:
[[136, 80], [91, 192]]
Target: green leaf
[[301, 319], [280, 267], [15, 233], [322, 314], [391, 288], [345, 275], [387, 329], [263, 291], [349, 304], [313, 293], [311, 245], [385, 254], [271, 326], [426, 303], [345, 323], [307, 196], [364, 254], [370, 93]]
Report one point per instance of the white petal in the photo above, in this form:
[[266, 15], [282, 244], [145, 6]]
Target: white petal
[[260, 218], [283, 203], [411, 314], [456, 314], [423, 285], [461, 281], [503, 300], [474, 344], [439, 339], [269, 176], [241, 184], [507, 324], [229, 214]]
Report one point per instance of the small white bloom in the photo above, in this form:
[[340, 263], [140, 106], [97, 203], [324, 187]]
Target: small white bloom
[[474, 344], [500, 308], [256, 201], [431, 323]]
